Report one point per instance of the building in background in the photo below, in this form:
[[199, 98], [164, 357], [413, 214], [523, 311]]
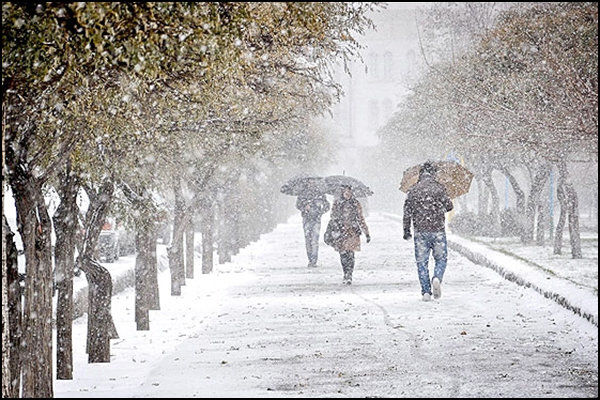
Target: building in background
[[391, 59]]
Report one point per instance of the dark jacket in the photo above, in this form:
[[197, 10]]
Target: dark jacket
[[313, 206], [426, 205]]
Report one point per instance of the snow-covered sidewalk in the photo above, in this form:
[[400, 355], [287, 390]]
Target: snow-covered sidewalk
[[265, 325]]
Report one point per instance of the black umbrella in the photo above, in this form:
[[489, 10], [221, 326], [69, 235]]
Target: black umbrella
[[304, 185], [334, 183]]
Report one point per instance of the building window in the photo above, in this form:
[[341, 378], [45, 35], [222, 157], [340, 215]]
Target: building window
[[388, 65]]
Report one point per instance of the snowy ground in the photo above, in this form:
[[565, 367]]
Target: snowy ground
[[265, 325]]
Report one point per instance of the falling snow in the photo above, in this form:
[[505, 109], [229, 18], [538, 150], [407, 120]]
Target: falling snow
[[173, 172]]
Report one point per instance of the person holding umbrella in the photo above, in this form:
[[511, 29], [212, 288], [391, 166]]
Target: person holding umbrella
[[425, 206], [312, 205], [344, 229]]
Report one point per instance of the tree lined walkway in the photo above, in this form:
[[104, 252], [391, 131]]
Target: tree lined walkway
[[158, 112], [265, 325]]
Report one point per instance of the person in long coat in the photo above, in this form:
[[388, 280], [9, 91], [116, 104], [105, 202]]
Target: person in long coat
[[347, 222]]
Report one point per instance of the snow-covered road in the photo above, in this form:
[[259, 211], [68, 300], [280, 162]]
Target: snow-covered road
[[265, 325]]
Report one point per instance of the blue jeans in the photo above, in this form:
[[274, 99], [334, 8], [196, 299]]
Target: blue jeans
[[312, 228], [425, 242]]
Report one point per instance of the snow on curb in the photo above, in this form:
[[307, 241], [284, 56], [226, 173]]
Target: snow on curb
[[565, 293], [578, 301]]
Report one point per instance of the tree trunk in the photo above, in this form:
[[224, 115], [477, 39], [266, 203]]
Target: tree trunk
[[12, 307], [189, 250], [539, 180], [520, 203], [7, 372], [142, 272], [520, 195], [569, 208], [224, 251], [6, 351], [65, 228], [551, 207], [222, 233], [34, 226], [153, 292], [562, 201], [542, 223], [237, 238], [494, 212], [175, 251], [229, 236], [207, 239], [100, 323], [146, 271], [574, 233], [35, 230]]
